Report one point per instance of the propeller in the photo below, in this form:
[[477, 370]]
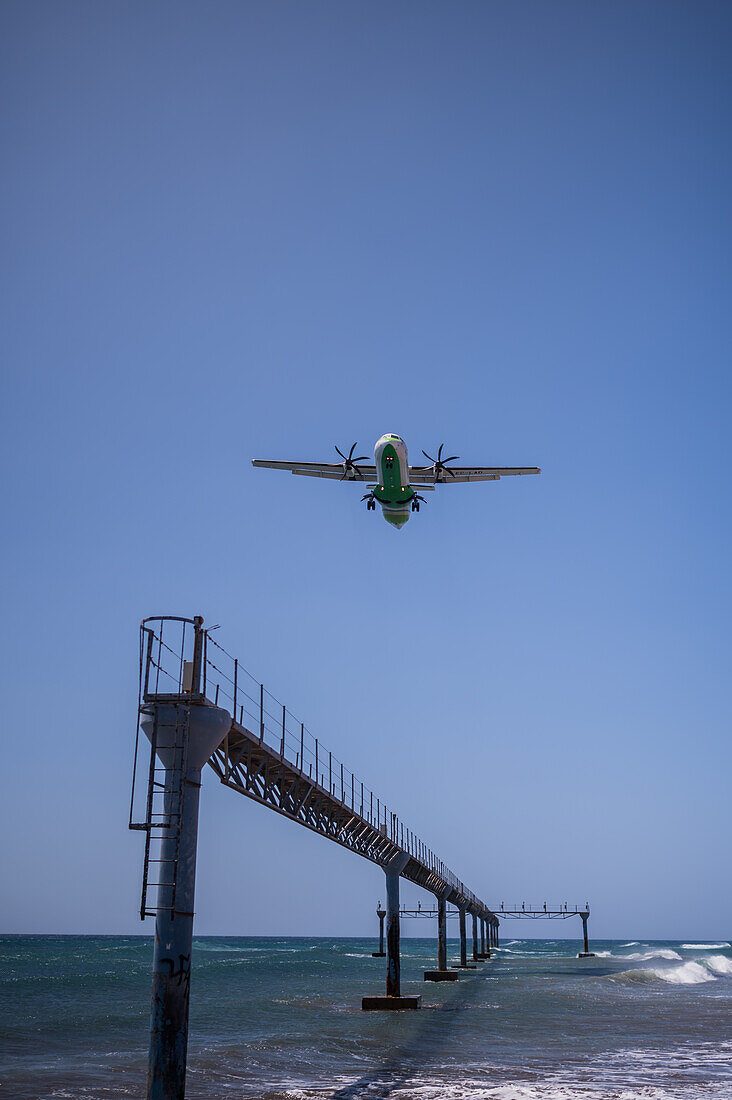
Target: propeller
[[350, 462], [439, 466]]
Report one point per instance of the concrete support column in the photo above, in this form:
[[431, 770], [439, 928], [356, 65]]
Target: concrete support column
[[393, 998], [475, 937], [184, 736], [482, 937], [442, 974], [497, 942], [585, 953], [393, 964], [442, 934], [463, 939]]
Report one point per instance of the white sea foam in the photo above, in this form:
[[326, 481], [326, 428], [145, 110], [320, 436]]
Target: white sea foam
[[633, 943], [703, 946], [689, 973], [654, 953], [719, 964]]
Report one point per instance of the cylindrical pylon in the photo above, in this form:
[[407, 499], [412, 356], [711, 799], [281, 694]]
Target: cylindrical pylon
[[475, 937], [585, 953], [185, 736], [463, 943], [393, 969], [441, 934]]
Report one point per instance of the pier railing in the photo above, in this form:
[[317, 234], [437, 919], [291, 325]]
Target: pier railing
[[166, 668]]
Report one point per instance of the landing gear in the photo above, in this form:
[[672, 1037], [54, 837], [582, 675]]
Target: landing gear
[[370, 502], [416, 501]]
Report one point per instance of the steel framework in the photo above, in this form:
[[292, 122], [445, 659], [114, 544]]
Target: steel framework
[[271, 758]]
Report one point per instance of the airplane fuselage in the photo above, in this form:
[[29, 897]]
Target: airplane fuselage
[[392, 490]]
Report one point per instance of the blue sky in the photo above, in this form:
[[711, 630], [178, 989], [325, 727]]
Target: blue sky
[[235, 230]]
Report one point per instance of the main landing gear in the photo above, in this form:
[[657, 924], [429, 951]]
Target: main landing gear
[[415, 502], [370, 502]]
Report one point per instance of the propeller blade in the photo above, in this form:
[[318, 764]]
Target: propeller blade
[[452, 458], [439, 453], [350, 453], [340, 452], [428, 456]]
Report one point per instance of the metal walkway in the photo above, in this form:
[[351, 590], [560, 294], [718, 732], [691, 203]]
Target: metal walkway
[[271, 757], [198, 705]]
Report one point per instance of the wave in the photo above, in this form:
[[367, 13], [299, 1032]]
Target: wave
[[689, 973], [719, 964], [633, 943], [703, 946], [642, 956], [654, 953]]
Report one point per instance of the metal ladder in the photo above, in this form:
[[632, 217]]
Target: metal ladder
[[159, 824]]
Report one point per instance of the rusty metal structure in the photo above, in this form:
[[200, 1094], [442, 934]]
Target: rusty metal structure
[[198, 704]]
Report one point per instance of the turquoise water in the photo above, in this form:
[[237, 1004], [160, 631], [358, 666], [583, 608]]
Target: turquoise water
[[281, 1018]]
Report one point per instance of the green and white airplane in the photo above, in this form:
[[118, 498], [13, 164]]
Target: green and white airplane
[[393, 480]]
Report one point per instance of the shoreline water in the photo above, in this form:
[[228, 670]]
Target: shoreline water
[[279, 1018]]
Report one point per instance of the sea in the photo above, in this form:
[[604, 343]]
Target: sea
[[281, 1019]]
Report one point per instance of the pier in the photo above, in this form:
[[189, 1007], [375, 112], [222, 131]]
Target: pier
[[561, 913], [198, 705]]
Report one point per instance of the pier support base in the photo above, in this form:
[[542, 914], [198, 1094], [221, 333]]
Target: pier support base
[[381, 953], [440, 976], [389, 1004], [183, 736], [586, 954]]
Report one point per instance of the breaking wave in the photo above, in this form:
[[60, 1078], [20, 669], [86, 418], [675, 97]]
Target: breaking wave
[[689, 973], [719, 964], [654, 953], [703, 946]]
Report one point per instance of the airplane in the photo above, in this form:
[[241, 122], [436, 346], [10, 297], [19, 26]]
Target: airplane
[[393, 481]]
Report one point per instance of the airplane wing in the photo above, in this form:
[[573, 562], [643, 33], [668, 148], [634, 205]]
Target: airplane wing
[[424, 475], [332, 470]]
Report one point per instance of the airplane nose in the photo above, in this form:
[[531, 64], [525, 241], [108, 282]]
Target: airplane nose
[[396, 519]]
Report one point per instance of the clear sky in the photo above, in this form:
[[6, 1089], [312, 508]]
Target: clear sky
[[261, 229]]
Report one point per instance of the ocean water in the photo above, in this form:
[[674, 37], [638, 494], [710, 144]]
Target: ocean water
[[280, 1019]]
